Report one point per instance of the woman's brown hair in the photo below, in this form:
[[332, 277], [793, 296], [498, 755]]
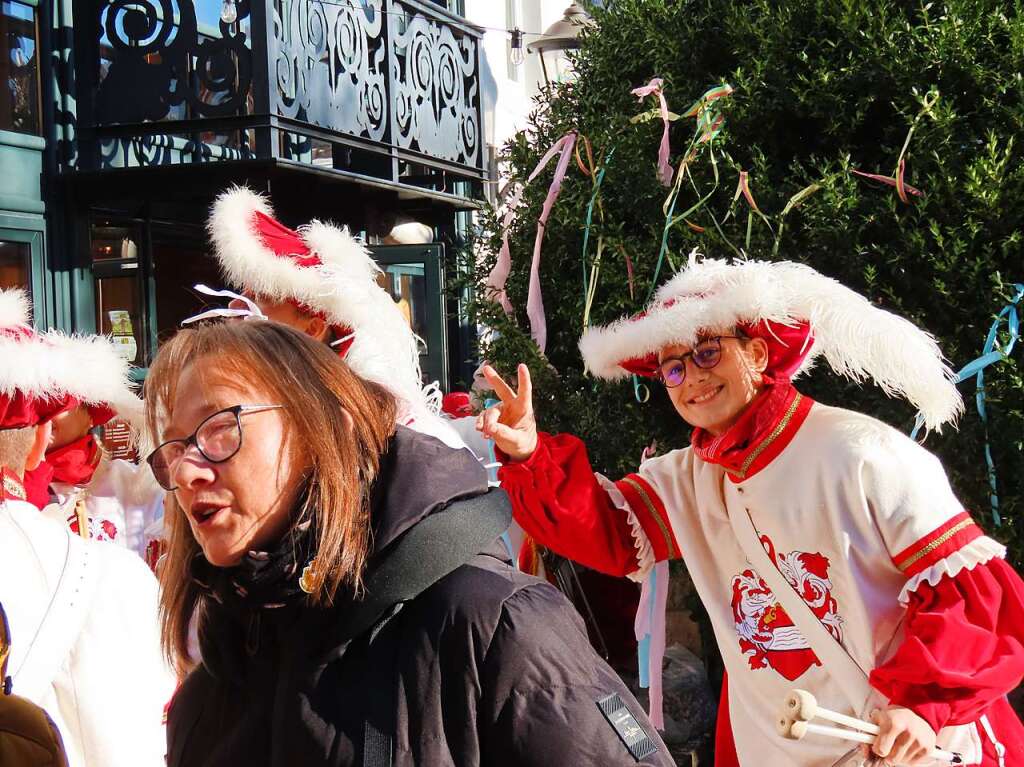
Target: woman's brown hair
[[342, 456]]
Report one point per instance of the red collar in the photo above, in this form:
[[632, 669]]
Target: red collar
[[759, 436], [12, 489]]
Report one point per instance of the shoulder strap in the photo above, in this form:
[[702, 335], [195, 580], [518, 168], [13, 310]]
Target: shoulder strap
[[434, 548], [61, 624], [837, 661]]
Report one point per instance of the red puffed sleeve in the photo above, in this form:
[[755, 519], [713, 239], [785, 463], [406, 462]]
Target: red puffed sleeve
[[563, 505], [963, 649]]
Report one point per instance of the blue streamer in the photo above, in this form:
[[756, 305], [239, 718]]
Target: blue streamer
[[643, 650], [976, 368]]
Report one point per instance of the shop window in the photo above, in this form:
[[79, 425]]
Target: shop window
[[181, 259], [19, 68], [407, 286], [120, 306], [411, 274], [15, 265]]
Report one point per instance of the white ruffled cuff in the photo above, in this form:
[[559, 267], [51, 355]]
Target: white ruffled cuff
[[977, 552], [644, 550]]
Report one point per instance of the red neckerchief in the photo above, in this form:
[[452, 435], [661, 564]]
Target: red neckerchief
[[75, 463], [37, 485], [759, 435], [11, 488]]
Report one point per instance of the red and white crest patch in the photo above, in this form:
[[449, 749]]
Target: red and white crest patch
[[767, 634]]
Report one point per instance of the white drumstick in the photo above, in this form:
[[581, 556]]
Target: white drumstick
[[802, 706], [798, 729]]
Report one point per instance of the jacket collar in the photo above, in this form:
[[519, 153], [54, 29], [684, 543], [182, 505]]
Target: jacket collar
[[759, 436]]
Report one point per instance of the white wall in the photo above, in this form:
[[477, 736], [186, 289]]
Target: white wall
[[506, 101]]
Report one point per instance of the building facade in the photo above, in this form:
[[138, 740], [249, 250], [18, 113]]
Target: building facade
[[121, 120]]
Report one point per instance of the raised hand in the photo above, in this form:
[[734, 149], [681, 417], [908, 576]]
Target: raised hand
[[510, 423]]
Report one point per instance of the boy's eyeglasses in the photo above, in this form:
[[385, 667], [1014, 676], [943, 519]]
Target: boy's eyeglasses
[[705, 355], [217, 439]]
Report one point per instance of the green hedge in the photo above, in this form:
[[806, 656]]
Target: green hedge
[[820, 87]]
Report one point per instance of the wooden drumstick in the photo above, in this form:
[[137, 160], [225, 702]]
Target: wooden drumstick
[[797, 729], [801, 706]]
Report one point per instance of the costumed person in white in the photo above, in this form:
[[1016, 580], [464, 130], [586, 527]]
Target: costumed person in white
[[82, 615], [322, 281], [828, 548], [79, 484]]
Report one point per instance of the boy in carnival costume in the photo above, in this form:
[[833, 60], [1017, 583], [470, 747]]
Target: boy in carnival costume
[[857, 519], [82, 615], [78, 484], [321, 281]]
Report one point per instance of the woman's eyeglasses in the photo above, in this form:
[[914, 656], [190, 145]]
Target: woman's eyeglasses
[[217, 439], [705, 355]]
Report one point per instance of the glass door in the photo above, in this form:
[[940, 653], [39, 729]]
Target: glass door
[[412, 275]]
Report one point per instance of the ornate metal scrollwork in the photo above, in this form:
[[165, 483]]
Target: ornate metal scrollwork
[[435, 89], [330, 67], [157, 61]]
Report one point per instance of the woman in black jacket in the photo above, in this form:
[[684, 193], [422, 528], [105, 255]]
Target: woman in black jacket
[[355, 605]]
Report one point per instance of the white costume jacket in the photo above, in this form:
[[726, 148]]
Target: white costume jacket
[[85, 639], [862, 523]]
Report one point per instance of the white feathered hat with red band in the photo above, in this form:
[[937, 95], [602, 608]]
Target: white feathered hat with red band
[[802, 315], [45, 374], [326, 271]]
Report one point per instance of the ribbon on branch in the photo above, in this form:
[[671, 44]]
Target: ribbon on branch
[[904, 189], [499, 275], [654, 88], [991, 353]]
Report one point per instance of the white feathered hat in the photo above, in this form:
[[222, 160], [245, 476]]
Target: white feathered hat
[[326, 271], [45, 373], [801, 313]]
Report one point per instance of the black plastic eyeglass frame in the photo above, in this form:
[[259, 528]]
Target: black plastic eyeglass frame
[[689, 355], [192, 439]]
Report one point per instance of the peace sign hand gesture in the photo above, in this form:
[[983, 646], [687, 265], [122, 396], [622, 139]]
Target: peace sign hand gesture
[[510, 423]]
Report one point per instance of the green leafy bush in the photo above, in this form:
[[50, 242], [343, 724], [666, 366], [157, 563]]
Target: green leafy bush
[[820, 88]]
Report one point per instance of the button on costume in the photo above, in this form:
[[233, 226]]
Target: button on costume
[[859, 519]]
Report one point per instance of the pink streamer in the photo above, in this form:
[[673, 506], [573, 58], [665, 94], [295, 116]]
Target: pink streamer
[[534, 299], [503, 266], [665, 172], [499, 275], [651, 620]]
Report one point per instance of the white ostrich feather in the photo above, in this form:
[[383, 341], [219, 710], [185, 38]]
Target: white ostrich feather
[[15, 308], [344, 287], [53, 364], [856, 338]]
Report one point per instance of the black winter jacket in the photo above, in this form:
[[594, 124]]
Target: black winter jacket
[[487, 666]]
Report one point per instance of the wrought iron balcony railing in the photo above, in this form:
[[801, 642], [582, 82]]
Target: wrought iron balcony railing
[[384, 88]]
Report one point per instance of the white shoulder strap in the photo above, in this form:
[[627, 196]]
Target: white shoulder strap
[[62, 622], [837, 661]]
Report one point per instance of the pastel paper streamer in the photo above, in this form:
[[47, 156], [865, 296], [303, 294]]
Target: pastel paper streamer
[[990, 354], [654, 87], [890, 181], [650, 633], [503, 266], [712, 94], [534, 299], [499, 274]]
